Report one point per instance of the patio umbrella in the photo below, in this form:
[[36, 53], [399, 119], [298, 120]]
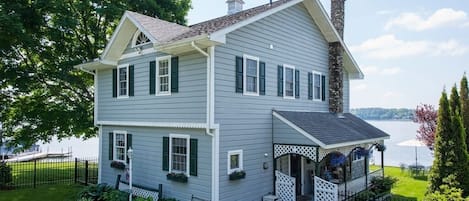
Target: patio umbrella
[[412, 143]]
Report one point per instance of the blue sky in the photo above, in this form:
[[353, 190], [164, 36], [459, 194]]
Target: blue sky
[[409, 50]]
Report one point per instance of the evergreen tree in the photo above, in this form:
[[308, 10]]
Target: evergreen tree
[[464, 96], [454, 102]]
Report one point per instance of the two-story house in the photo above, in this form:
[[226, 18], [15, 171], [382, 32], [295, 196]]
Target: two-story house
[[248, 104]]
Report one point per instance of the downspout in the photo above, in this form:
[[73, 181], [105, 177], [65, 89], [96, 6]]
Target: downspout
[[210, 54]]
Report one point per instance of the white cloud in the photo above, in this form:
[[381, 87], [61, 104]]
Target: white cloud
[[388, 47], [391, 94], [416, 22], [370, 70], [360, 87], [390, 71], [465, 24], [385, 12]]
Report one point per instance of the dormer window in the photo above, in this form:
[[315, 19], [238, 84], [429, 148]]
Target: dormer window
[[140, 39]]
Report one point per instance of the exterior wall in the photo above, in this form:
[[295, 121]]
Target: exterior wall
[[147, 163], [246, 121], [284, 134], [346, 91], [188, 105]]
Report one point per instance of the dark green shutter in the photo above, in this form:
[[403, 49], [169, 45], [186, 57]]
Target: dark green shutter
[[262, 78], [239, 74], [193, 158], [166, 153], [310, 85], [111, 146], [175, 74], [280, 80], [152, 83], [114, 82], [129, 144], [323, 88], [297, 84], [131, 80]]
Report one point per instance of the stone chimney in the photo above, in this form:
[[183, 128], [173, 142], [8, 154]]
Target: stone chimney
[[234, 6], [336, 84]]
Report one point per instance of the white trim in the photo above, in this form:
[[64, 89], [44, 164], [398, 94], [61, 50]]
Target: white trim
[[100, 154], [126, 66], [134, 54], [285, 66], [211, 51], [95, 98], [188, 151], [135, 37], [114, 148], [320, 86], [245, 58], [289, 165], [216, 165], [158, 92], [321, 144], [240, 161], [154, 124], [302, 174]]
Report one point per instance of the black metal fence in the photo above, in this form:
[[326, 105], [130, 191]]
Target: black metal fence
[[54, 171], [366, 195]]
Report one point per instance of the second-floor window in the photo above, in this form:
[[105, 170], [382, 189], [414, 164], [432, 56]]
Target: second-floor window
[[289, 81], [317, 95], [163, 77], [251, 75], [123, 78]]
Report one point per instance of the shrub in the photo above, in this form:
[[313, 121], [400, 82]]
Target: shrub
[[446, 193], [6, 176], [115, 195], [167, 199], [382, 184], [102, 192], [144, 199]]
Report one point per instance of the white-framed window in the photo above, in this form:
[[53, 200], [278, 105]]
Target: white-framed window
[[179, 152], [163, 76], [288, 81], [251, 75], [139, 39], [123, 81], [235, 160], [317, 92], [120, 146], [356, 156]]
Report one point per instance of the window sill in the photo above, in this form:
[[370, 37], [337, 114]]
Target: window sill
[[250, 94], [163, 94], [289, 97], [122, 97]]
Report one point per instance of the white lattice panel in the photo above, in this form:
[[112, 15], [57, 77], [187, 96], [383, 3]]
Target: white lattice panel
[[139, 191], [324, 190], [344, 150], [285, 187], [308, 151]]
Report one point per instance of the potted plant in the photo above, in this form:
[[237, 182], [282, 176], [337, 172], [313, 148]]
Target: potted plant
[[177, 177], [238, 174], [118, 165], [380, 147]]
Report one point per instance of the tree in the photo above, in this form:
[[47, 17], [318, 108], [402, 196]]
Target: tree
[[426, 116], [42, 95], [464, 96], [451, 158]]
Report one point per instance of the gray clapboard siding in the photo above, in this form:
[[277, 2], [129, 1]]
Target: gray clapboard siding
[[246, 121], [188, 105], [147, 163], [284, 134]]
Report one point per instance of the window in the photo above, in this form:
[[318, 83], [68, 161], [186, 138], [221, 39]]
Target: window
[[289, 81], [179, 153], [123, 80], [163, 82], [139, 39], [235, 161], [317, 95], [251, 75], [120, 145], [357, 155]]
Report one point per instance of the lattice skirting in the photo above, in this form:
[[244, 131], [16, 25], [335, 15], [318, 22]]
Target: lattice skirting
[[324, 190], [139, 191], [307, 151]]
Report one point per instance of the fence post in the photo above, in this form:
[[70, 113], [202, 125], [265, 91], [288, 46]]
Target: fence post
[[86, 172], [34, 176], [76, 170]]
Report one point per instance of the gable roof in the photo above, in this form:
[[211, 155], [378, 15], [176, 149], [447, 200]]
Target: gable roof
[[330, 130], [167, 36]]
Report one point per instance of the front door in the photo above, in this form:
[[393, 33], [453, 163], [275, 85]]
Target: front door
[[295, 171]]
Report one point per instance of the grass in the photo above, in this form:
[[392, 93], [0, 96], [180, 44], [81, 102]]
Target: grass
[[407, 187], [58, 192]]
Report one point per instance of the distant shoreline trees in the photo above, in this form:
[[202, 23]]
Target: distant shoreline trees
[[376, 113]]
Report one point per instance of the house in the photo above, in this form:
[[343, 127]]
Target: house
[[235, 108]]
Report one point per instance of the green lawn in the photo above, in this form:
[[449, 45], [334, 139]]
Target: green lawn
[[58, 192], [407, 186]]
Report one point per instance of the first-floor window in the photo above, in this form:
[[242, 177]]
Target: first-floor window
[[120, 144], [289, 80], [179, 153], [235, 161]]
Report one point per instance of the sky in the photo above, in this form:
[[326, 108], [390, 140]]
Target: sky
[[409, 51]]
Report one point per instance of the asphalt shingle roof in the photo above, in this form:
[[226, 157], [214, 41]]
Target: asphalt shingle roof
[[332, 129]]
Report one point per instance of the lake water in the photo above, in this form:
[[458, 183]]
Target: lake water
[[394, 155]]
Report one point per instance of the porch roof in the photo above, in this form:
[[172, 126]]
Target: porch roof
[[331, 130]]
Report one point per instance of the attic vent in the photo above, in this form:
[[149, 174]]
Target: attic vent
[[140, 39]]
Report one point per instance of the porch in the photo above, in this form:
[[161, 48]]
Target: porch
[[320, 156]]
